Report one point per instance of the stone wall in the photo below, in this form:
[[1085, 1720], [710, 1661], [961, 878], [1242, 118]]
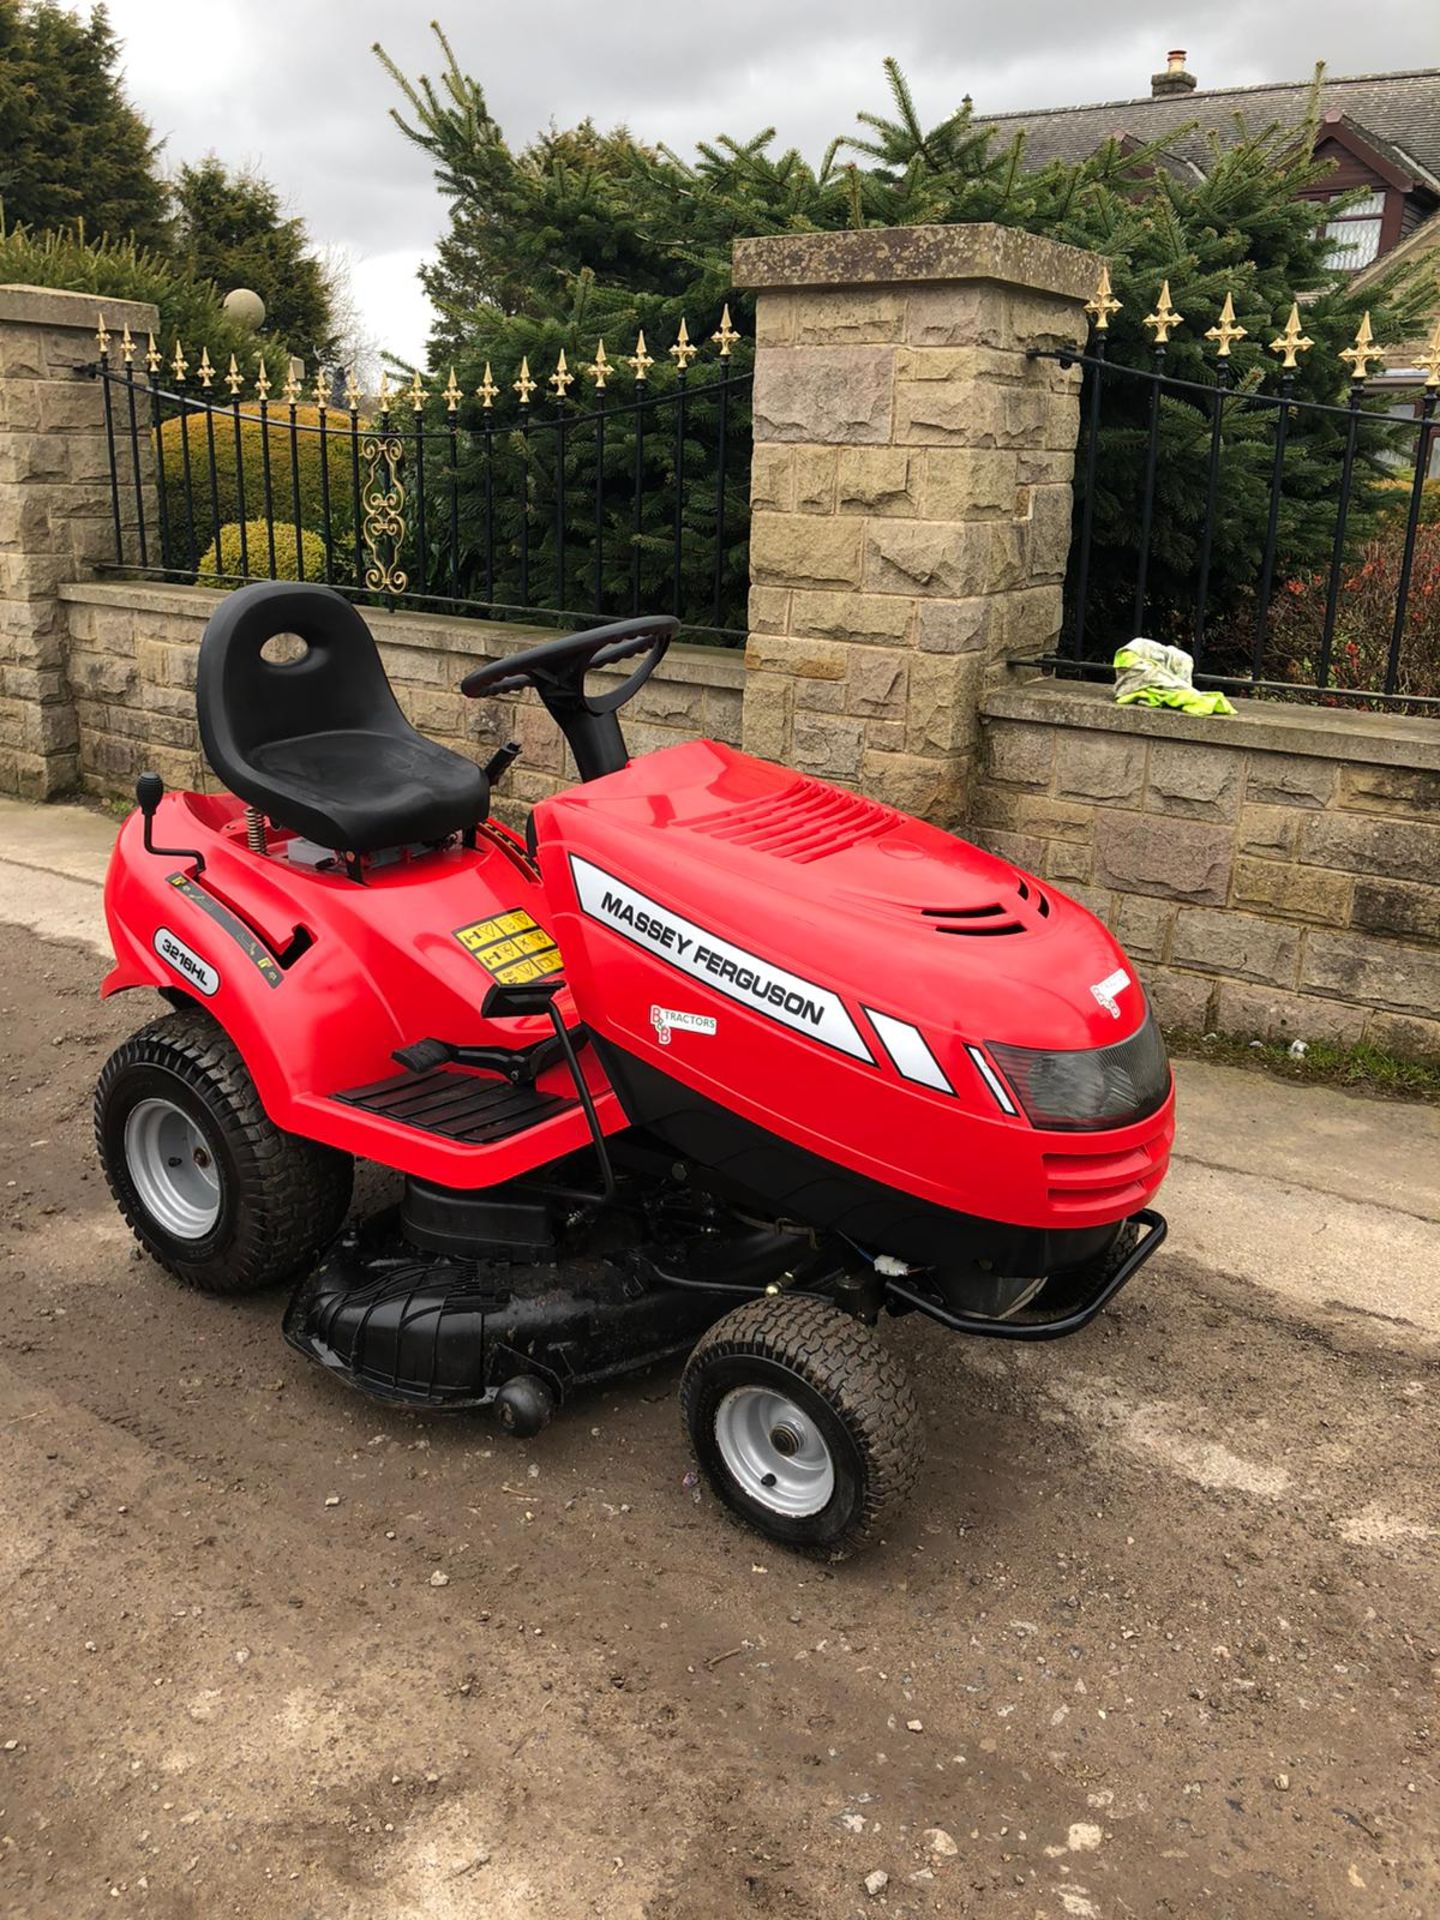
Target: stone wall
[[1273, 875], [910, 493], [56, 516], [131, 658]]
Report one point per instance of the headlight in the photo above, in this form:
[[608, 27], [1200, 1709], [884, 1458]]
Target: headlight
[[1100, 1087]]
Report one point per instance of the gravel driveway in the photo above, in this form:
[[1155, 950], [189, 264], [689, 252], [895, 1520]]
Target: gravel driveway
[[1159, 1635]]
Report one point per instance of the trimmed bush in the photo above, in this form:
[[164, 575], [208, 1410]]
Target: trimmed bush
[[225, 557], [283, 471]]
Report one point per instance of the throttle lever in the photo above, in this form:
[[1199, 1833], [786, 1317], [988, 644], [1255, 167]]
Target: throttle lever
[[501, 761]]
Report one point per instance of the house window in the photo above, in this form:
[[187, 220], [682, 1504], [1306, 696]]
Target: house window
[[1354, 235]]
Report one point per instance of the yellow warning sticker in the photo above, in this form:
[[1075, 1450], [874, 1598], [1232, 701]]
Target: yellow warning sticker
[[511, 947]]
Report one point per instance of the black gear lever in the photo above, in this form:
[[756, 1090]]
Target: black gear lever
[[149, 792]]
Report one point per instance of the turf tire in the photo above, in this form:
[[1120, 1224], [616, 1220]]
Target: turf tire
[[281, 1198], [840, 1374]]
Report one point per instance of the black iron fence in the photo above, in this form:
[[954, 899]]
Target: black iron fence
[[1301, 551], [631, 499]]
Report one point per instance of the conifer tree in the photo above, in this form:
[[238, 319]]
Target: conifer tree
[[230, 229], [73, 152]]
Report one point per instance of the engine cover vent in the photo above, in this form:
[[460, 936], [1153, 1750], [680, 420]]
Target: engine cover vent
[[806, 822], [992, 917]]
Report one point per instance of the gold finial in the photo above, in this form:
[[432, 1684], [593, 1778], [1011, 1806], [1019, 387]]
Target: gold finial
[[352, 391], [639, 362], [234, 379], [1292, 341], [152, 356], [452, 394], [127, 347], [387, 392], [418, 395], [1363, 352], [1227, 329], [562, 379], [291, 388], [1429, 361], [725, 335], [1102, 303], [487, 390], [682, 353], [262, 379], [320, 388], [179, 365], [207, 372], [1165, 319], [599, 368], [524, 386], [102, 336]]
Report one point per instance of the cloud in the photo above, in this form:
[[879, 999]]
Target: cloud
[[292, 86]]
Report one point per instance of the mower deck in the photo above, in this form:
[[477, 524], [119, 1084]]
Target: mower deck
[[422, 1328]]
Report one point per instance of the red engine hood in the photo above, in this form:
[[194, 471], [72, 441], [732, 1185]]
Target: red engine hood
[[823, 966]]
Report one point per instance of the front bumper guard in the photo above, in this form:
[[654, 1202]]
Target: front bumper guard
[[1041, 1329]]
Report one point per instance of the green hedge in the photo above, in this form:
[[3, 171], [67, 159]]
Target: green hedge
[[223, 507], [225, 557]]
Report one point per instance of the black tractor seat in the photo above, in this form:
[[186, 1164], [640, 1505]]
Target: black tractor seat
[[319, 743]]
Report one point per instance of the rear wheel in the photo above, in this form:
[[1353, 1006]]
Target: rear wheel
[[209, 1186], [803, 1423]]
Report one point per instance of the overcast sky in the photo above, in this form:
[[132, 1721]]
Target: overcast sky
[[291, 86]]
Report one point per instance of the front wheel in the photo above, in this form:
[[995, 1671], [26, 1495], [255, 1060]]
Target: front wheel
[[1075, 1287], [209, 1186], [803, 1423]]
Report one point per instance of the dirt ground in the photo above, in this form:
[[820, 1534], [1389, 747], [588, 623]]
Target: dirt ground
[[1159, 1636]]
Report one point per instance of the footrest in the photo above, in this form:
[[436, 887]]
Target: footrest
[[456, 1104]]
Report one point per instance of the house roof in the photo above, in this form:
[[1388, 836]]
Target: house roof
[[1399, 111]]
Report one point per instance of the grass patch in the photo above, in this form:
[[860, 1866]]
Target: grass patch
[[1362, 1069]]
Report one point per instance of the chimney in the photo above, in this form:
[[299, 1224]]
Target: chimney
[[1174, 80]]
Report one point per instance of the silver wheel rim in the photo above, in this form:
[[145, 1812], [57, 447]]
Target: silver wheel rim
[[775, 1451], [172, 1168]]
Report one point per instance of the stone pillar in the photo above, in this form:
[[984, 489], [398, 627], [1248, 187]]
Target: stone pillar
[[911, 493], [56, 515]]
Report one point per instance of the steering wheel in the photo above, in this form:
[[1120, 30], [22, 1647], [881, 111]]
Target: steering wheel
[[561, 665], [556, 669]]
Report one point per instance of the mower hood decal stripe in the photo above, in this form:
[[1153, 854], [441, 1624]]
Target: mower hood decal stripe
[[722, 966], [909, 1050], [992, 1080], [249, 944]]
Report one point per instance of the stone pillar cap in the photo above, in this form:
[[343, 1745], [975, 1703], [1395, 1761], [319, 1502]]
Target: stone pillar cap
[[57, 307], [870, 256]]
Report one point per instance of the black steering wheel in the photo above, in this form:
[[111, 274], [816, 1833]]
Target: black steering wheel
[[556, 669]]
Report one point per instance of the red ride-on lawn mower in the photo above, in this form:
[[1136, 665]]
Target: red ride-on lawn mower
[[715, 1057]]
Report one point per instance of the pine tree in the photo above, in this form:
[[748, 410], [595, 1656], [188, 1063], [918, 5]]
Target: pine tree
[[73, 152], [230, 229]]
